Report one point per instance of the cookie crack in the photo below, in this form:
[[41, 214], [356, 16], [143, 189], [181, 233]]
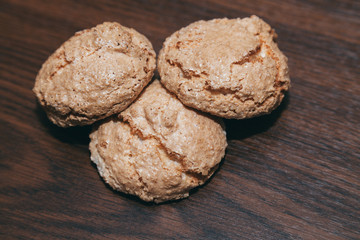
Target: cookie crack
[[278, 84], [143, 184], [71, 111], [161, 146], [67, 62], [173, 156], [125, 51], [252, 56], [187, 73]]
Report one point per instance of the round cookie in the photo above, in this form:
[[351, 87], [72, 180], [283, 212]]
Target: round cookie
[[158, 149], [94, 74], [231, 68]]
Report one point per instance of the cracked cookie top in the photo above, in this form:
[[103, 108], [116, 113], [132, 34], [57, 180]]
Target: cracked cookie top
[[231, 68], [157, 149], [96, 73]]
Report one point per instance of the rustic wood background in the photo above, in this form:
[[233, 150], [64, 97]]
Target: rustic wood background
[[294, 174]]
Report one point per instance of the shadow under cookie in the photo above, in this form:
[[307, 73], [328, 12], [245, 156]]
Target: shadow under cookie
[[241, 129], [72, 135]]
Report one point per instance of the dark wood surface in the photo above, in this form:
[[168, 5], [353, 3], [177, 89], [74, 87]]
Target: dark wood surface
[[294, 174]]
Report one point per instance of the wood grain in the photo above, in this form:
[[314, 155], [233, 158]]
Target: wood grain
[[294, 174]]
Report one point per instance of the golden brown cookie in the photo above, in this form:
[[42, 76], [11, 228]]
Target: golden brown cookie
[[94, 74], [158, 149], [231, 68]]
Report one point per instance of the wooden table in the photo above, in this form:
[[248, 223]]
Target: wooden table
[[294, 174]]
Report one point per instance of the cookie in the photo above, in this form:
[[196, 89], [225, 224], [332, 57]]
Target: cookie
[[96, 73], [231, 68], [157, 149]]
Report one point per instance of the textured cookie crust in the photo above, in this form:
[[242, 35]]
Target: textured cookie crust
[[231, 68], [160, 149], [96, 73]]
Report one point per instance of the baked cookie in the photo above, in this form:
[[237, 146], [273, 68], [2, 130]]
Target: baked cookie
[[158, 149], [94, 74], [231, 68]]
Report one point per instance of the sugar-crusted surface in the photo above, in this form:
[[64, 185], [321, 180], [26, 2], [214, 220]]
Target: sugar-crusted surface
[[231, 68], [96, 73], [160, 149]]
